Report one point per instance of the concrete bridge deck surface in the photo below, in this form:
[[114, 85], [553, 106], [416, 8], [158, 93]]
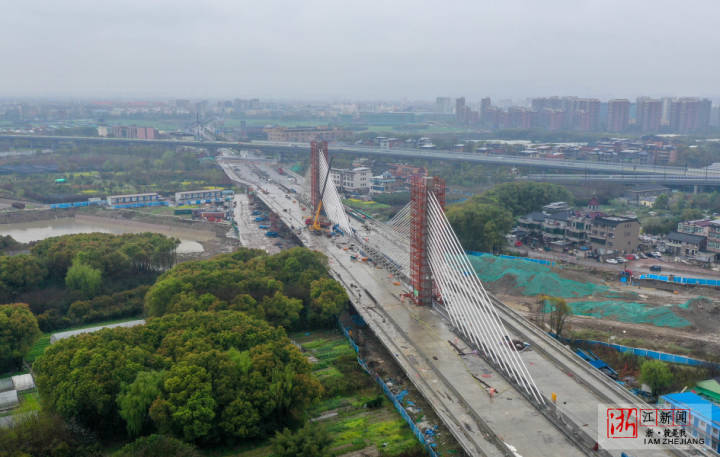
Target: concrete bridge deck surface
[[418, 338]]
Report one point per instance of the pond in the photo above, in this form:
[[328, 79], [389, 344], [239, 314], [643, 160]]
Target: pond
[[39, 230]]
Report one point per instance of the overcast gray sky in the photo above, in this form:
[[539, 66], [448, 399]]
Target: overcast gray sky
[[368, 49]]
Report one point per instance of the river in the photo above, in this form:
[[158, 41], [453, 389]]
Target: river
[[39, 230]]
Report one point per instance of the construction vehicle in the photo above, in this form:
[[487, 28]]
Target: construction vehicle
[[316, 228]]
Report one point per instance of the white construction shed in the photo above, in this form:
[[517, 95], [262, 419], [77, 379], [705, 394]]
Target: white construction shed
[[61, 335], [23, 382], [8, 400]]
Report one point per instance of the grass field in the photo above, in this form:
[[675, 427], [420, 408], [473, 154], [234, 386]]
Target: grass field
[[350, 424]]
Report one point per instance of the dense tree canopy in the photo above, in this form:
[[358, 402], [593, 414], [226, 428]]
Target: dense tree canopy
[[310, 440], [84, 279], [41, 434], [18, 274], [157, 446], [288, 289], [111, 254], [18, 330], [523, 197], [62, 270], [202, 377], [479, 226]]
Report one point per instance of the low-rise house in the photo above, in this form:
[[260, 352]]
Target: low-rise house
[[614, 234], [685, 244]]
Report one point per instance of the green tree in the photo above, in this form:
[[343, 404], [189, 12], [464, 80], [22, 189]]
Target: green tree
[[157, 446], [135, 399], [559, 312], [21, 272], [480, 226], [225, 376], [84, 279], [661, 202], [310, 440], [18, 331], [656, 374], [328, 300], [44, 434]]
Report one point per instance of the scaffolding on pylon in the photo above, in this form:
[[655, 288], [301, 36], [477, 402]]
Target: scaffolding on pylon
[[420, 275]]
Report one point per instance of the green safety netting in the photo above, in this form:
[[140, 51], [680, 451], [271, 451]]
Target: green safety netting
[[532, 278], [535, 279]]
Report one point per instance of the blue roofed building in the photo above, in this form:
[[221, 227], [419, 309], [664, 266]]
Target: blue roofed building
[[704, 416]]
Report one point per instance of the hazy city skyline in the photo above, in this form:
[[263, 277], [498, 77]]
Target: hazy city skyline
[[368, 50]]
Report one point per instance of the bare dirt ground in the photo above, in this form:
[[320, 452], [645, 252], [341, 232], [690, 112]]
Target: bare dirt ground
[[702, 343], [700, 339]]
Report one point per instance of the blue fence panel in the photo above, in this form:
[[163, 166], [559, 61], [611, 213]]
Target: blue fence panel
[[398, 406], [682, 280], [657, 355]]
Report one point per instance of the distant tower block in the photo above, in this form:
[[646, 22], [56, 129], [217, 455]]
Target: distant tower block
[[420, 274], [316, 148]]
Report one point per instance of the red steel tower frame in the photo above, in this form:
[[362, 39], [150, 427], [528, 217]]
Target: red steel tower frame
[[316, 148], [420, 274]]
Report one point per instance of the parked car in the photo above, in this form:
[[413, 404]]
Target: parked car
[[631, 257], [613, 261], [620, 260], [656, 254], [655, 268]]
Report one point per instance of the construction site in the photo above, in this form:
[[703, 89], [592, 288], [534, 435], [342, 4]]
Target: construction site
[[499, 384]]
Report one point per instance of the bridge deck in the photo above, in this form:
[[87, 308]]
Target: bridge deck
[[418, 338]]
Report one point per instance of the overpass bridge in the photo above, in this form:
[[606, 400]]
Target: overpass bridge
[[454, 349], [667, 179], [580, 166]]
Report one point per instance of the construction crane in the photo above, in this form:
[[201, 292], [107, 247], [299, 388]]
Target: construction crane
[[316, 228]]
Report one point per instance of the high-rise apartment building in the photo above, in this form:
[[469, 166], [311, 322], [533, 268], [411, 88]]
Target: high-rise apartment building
[[443, 105], [587, 114], [689, 114], [648, 114], [618, 115], [460, 109], [485, 105]]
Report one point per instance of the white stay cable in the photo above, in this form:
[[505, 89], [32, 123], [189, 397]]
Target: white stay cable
[[332, 203], [471, 300]]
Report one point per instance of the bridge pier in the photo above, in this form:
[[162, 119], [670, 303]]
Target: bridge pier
[[420, 274]]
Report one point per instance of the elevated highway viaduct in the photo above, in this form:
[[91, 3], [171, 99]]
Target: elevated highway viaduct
[[579, 166]]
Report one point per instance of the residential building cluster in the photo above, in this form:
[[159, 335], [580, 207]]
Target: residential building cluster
[[563, 228], [653, 150], [697, 240], [134, 132], [676, 115], [359, 179]]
